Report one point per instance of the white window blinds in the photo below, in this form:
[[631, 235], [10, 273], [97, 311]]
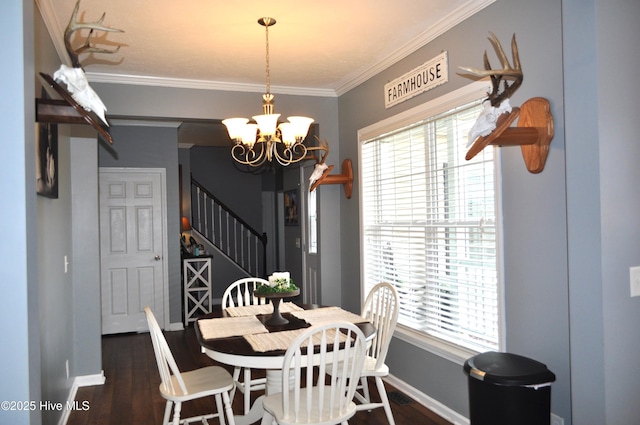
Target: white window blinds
[[429, 228]]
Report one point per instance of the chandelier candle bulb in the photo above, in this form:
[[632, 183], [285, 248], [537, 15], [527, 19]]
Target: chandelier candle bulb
[[249, 133], [300, 126], [235, 127], [288, 133], [267, 124]]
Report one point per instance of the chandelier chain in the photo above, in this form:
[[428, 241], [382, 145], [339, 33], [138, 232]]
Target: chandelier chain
[[268, 72]]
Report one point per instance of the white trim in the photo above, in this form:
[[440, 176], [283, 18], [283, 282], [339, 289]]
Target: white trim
[[452, 352], [175, 327], [430, 403], [98, 77], [80, 381], [455, 98]]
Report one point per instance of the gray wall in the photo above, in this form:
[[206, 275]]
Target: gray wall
[[19, 318], [153, 147], [571, 232], [85, 231], [213, 168], [617, 40]]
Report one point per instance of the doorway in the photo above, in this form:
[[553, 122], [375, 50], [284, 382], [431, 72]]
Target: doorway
[[133, 247]]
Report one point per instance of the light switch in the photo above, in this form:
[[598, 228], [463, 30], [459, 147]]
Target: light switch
[[634, 281]]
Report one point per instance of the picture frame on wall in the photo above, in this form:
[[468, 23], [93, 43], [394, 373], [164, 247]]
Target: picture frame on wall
[[47, 160], [291, 207]]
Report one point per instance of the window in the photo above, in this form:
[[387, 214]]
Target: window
[[313, 223], [429, 224]]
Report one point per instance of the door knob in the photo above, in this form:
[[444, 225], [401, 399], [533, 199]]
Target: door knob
[[157, 258]]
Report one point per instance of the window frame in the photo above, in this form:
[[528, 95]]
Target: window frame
[[449, 101]]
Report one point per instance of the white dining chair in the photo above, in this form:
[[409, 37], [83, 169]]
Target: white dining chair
[[177, 387], [381, 307], [312, 391], [241, 293]]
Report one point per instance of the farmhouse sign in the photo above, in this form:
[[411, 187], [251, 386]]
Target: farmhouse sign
[[427, 76]]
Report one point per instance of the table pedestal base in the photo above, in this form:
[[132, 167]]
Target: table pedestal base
[[256, 413]]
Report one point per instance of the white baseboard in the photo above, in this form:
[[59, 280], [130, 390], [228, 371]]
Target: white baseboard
[[175, 327], [79, 381], [430, 403]]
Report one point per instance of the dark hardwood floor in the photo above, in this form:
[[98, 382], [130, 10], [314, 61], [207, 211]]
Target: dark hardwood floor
[[130, 393]]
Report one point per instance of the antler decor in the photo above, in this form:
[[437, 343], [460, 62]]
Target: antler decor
[[321, 171], [74, 26], [78, 99], [74, 77], [535, 126]]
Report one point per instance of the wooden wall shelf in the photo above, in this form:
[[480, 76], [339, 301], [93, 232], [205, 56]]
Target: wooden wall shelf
[[65, 110], [533, 133], [345, 178]]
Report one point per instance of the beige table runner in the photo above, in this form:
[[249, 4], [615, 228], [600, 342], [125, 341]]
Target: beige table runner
[[230, 326], [253, 310], [320, 316], [282, 340]]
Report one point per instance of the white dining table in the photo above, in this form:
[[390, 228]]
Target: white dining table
[[237, 351]]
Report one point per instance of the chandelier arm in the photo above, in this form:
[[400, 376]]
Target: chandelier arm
[[291, 155], [247, 156]]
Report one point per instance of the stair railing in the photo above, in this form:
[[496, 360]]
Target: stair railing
[[234, 237]]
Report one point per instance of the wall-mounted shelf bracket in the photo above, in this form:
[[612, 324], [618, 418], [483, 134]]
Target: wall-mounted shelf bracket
[[533, 133], [65, 110], [345, 178]]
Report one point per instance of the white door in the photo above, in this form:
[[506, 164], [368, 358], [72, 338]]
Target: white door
[[132, 247], [310, 238]]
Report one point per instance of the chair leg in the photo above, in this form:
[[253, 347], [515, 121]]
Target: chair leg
[[176, 412], [382, 391], [236, 375], [365, 388], [219, 409], [227, 409], [247, 390], [167, 412]]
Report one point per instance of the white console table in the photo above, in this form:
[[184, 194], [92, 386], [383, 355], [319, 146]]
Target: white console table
[[196, 277]]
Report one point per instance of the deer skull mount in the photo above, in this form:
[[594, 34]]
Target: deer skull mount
[[535, 125], [74, 77], [321, 173]]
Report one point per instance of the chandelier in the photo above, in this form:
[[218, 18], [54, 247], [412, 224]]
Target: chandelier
[[265, 140]]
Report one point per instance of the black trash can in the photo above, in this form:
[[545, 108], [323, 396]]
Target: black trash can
[[508, 389]]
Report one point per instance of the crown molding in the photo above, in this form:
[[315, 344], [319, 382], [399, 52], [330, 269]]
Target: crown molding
[[451, 20], [98, 77]]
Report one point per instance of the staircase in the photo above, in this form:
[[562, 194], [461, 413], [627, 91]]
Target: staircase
[[227, 232]]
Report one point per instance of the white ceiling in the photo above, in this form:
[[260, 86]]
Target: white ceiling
[[320, 48]]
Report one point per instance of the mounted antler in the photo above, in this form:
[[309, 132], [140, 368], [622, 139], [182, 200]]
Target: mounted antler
[[320, 162], [74, 77], [512, 72], [74, 26], [321, 171], [493, 127]]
